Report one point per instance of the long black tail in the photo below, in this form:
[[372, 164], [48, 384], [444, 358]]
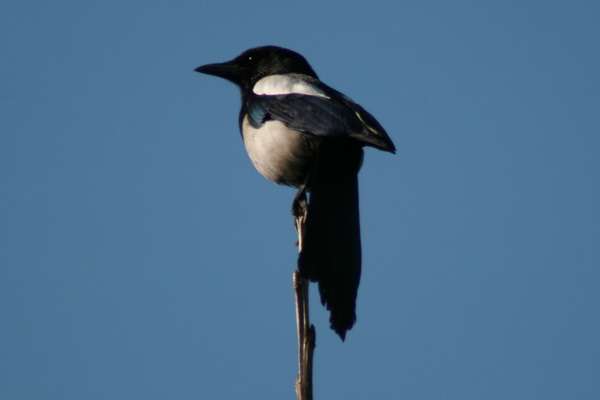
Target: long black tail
[[331, 253]]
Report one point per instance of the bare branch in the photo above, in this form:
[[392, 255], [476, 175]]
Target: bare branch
[[306, 331]]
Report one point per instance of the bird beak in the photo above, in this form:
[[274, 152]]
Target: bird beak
[[227, 70]]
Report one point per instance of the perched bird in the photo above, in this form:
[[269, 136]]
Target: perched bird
[[302, 133]]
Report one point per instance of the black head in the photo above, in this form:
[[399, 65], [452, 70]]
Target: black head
[[254, 64]]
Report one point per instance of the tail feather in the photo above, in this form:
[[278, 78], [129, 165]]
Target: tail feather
[[331, 253]]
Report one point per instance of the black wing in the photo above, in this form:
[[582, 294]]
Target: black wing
[[334, 116]]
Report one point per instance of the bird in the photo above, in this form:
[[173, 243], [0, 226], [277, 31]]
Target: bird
[[302, 133]]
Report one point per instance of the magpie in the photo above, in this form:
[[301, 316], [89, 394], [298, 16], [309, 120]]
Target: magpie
[[302, 133]]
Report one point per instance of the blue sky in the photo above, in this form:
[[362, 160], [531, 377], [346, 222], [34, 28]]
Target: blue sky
[[142, 256]]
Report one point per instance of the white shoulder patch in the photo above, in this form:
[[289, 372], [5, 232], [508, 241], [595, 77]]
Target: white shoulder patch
[[274, 85]]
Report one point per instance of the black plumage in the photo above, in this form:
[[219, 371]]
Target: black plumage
[[302, 133]]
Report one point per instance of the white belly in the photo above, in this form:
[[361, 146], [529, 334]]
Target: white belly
[[277, 152]]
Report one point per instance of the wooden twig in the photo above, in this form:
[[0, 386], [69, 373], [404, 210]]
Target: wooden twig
[[306, 331], [306, 339]]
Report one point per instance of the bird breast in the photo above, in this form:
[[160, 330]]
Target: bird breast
[[279, 153]]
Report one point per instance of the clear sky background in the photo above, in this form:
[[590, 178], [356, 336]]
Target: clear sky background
[[143, 257]]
